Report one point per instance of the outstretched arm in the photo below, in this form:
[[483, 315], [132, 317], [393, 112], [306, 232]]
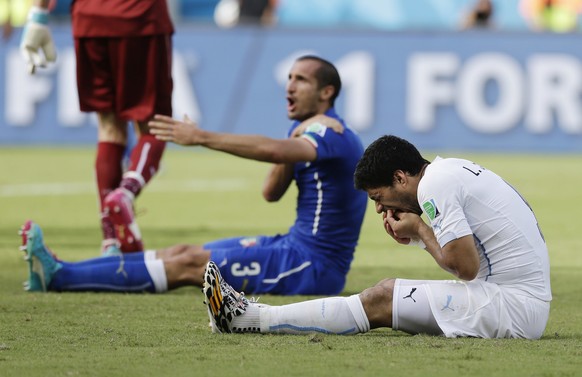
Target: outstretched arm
[[253, 147]]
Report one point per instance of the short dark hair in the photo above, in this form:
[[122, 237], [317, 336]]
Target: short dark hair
[[326, 74], [382, 158]]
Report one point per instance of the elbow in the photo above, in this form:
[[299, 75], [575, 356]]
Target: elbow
[[466, 276], [270, 196], [468, 273], [464, 270]]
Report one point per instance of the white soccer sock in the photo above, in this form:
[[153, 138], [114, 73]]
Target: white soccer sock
[[334, 315], [250, 320], [157, 271]]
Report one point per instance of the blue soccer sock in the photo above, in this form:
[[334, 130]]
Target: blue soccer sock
[[128, 257], [112, 274]]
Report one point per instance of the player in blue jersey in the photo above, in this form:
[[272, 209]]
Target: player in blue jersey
[[312, 258]]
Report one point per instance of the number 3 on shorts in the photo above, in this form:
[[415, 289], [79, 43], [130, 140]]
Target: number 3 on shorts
[[253, 269]]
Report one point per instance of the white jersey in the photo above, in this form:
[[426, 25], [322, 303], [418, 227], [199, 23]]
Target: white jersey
[[461, 198]]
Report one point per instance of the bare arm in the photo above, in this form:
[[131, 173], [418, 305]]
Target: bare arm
[[277, 182], [459, 257], [281, 175], [253, 147]]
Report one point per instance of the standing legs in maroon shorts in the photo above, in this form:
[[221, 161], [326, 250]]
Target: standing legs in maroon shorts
[[118, 191], [123, 79]]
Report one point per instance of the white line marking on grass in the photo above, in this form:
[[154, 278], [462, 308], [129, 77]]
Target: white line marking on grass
[[80, 188]]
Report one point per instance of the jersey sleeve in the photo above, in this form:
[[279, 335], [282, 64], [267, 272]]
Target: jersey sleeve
[[441, 196], [325, 140]]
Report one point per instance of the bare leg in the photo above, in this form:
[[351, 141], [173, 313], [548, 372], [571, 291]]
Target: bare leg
[[184, 264], [377, 302], [175, 250], [111, 129]]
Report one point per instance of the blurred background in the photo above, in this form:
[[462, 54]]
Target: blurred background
[[498, 75]]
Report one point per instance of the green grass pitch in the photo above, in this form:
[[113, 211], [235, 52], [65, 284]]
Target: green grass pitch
[[200, 196]]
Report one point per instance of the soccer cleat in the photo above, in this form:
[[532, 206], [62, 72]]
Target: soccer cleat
[[110, 247], [111, 251], [118, 205], [222, 301], [42, 263]]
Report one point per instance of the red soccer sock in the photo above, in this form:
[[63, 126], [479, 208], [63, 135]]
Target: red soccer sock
[[108, 169], [109, 237], [144, 162]]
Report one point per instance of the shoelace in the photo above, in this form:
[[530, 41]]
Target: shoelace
[[239, 297], [251, 300]]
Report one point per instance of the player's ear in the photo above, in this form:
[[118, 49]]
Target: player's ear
[[399, 177], [327, 92]]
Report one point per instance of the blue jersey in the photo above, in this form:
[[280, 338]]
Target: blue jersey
[[315, 256], [330, 211]]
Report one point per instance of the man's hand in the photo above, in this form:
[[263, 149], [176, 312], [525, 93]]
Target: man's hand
[[329, 122], [36, 37], [166, 128], [403, 227]]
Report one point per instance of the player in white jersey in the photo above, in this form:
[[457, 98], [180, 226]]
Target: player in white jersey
[[481, 230]]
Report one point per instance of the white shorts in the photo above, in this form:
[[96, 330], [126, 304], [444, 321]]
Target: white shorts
[[467, 309]]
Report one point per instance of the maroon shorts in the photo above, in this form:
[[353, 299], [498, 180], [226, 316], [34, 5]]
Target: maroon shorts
[[131, 77]]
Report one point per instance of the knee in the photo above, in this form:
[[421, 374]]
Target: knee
[[112, 129], [194, 256], [173, 251], [187, 254], [377, 302], [180, 249]]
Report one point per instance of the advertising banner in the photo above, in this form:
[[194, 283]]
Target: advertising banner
[[482, 91]]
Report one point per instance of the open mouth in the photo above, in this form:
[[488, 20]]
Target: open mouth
[[290, 104]]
